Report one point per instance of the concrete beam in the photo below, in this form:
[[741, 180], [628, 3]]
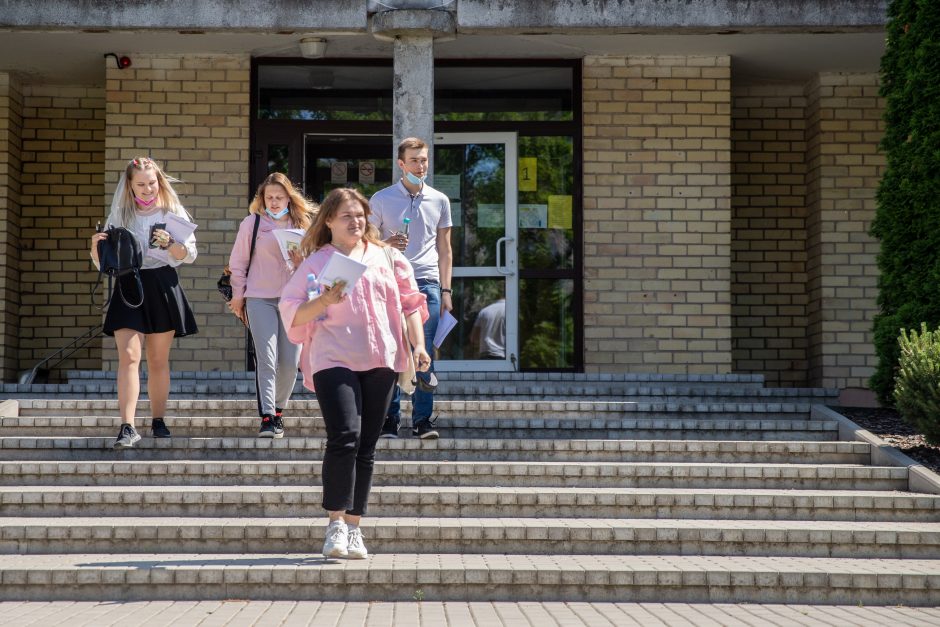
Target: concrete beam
[[274, 15], [573, 16], [407, 23]]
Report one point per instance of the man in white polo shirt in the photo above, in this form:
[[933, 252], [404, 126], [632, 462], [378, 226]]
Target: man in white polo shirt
[[415, 218]]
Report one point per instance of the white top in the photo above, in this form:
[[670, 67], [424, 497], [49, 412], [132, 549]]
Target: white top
[[491, 322], [428, 210], [141, 230]]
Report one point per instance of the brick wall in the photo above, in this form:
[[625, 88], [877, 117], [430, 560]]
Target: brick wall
[[190, 113], [11, 128], [62, 186], [768, 233], [844, 126], [657, 220]]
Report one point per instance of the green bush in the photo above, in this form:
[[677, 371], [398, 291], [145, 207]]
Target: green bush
[[917, 387], [907, 220]]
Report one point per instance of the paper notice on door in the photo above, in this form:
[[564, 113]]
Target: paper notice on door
[[528, 174], [559, 212], [448, 184], [366, 172], [444, 326], [338, 172], [533, 216], [491, 216]]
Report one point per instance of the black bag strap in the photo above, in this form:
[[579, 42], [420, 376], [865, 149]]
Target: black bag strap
[[254, 236]]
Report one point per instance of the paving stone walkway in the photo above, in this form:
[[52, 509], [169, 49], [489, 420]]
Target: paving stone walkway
[[452, 614]]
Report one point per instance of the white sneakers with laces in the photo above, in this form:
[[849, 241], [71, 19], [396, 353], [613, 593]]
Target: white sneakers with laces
[[336, 543], [356, 549]]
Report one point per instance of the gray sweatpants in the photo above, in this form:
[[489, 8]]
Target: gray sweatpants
[[276, 356]]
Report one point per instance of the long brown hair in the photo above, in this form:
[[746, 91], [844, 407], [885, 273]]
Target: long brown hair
[[319, 235], [301, 209]]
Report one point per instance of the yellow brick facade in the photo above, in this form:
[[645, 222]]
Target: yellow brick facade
[[725, 228], [190, 113], [11, 145], [768, 233], [62, 186], [657, 219], [844, 166]]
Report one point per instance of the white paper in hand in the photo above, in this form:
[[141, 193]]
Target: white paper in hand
[[444, 326], [179, 228], [288, 240], [339, 267]]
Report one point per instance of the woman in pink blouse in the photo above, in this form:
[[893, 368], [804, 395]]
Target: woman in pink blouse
[[352, 352]]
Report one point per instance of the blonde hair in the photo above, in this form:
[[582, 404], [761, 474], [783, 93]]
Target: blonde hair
[[301, 209], [123, 201], [319, 235]]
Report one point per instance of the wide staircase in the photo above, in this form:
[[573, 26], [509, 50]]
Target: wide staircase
[[542, 488]]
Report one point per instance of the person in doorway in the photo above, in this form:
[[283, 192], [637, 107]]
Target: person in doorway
[[359, 349], [142, 199], [415, 218], [257, 281], [489, 331]]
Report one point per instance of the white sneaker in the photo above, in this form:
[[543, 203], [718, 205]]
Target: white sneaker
[[337, 540], [357, 548]]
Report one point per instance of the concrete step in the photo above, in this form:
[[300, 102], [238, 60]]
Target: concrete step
[[486, 502], [445, 449], [466, 577], [700, 380], [478, 429], [572, 412], [462, 473], [456, 390], [543, 536]]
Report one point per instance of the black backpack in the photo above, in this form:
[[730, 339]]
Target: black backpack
[[119, 256]]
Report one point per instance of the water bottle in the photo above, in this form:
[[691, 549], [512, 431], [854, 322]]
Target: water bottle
[[405, 224], [313, 288]]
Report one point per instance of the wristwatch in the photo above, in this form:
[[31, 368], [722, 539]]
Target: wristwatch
[[446, 290]]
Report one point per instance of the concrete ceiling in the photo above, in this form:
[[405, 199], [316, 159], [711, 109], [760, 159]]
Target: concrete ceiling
[[68, 57]]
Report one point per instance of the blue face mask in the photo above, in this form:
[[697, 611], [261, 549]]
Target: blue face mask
[[414, 180], [280, 214]]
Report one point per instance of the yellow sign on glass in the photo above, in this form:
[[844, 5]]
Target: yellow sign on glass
[[528, 174], [559, 212]]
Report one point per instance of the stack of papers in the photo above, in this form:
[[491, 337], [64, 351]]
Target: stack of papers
[[180, 229], [339, 267], [288, 240]]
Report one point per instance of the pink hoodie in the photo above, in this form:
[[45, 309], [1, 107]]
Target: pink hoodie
[[362, 332], [268, 272]]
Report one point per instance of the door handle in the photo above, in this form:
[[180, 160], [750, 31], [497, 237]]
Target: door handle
[[499, 258]]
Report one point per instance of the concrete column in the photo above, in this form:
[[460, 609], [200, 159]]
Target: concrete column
[[11, 170], [413, 33], [413, 93]]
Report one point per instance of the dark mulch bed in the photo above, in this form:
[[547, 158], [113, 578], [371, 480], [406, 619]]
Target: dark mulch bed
[[888, 425]]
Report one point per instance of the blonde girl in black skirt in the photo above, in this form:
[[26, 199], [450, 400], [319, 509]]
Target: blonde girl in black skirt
[[142, 199]]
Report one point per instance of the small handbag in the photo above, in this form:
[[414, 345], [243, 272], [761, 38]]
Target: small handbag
[[406, 378], [120, 255], [224, 284]]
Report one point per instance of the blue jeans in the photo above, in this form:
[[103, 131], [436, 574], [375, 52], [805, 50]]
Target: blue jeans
[[422, 403]]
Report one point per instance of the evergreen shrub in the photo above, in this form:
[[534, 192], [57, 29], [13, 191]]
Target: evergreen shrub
[[917, 388]]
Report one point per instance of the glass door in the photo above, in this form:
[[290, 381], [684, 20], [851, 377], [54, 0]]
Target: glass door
[[478, 172], [363, 162]]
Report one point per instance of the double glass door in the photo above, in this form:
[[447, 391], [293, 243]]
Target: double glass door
[[477, 171]]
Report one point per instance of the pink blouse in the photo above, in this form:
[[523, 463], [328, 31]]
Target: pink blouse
[[362, 332]]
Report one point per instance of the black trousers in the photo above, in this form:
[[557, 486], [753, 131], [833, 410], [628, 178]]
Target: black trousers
[[353, 406]]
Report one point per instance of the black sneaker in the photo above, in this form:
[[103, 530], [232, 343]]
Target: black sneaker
[[390, 429], [278, 426], [126, 437], [267, 429], [158, 428], [425, 430]]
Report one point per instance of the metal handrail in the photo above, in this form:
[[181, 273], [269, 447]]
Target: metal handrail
[[27, 378]]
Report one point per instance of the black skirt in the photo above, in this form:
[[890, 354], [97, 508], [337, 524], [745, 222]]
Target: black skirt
[[165, 306]]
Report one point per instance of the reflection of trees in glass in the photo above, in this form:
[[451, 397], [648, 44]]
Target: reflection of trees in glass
[[278, 158], [548, 248], [469, 297], [546, 324], [482, 169]]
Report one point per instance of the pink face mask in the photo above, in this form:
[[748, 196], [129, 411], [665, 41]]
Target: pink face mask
[[145, 203]]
